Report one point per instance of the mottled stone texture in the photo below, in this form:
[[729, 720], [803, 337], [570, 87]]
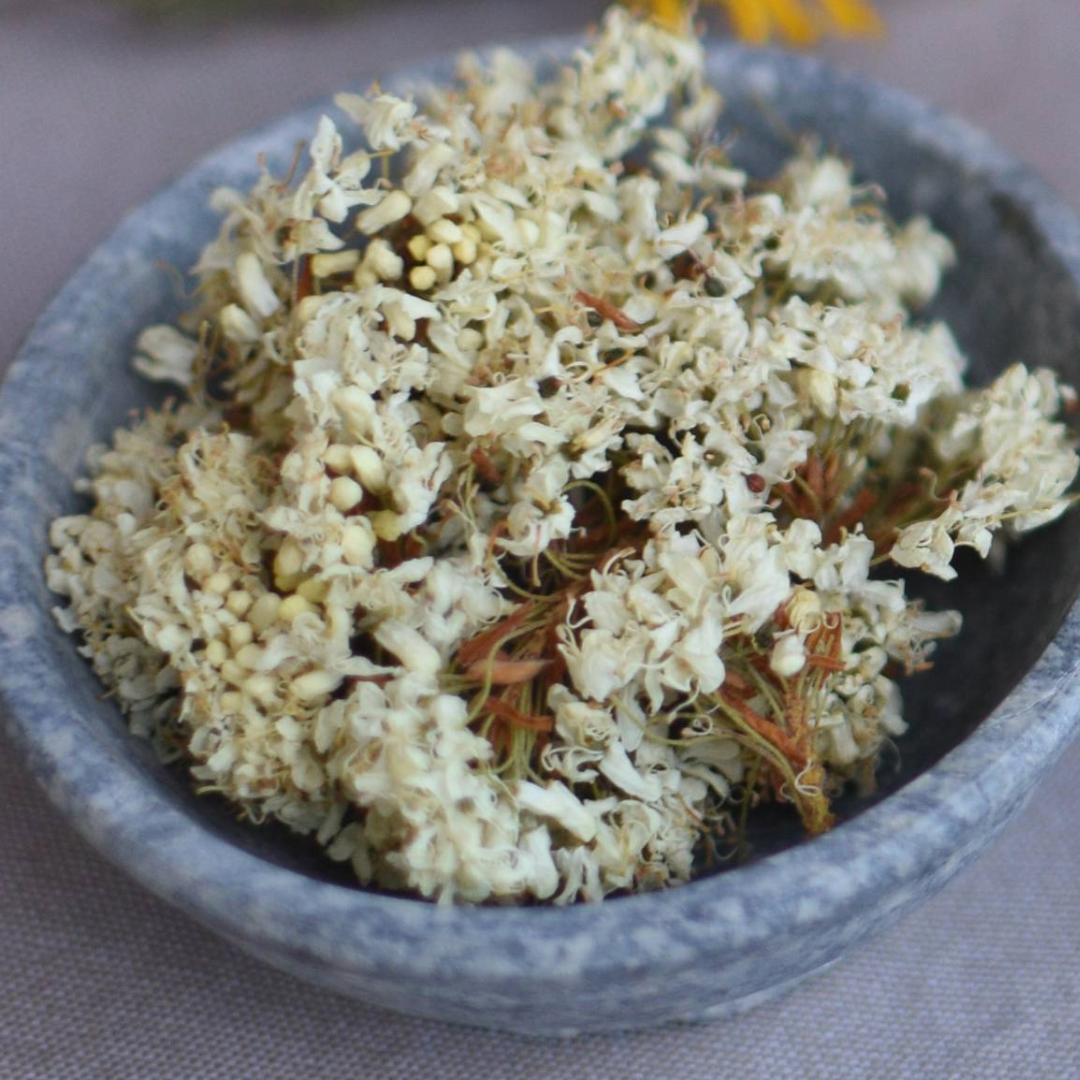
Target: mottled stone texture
[[986, 724]]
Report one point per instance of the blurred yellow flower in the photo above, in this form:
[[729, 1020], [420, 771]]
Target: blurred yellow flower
[[800, 22]]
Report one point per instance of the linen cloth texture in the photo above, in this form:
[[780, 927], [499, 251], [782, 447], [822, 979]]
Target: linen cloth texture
[[100, 979]]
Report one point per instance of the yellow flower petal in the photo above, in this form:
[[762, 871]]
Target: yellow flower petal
[[756, 21], [854, 17], [793, 21], [750, 19]]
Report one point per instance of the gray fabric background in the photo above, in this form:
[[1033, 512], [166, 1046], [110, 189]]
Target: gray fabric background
[[98, 979]]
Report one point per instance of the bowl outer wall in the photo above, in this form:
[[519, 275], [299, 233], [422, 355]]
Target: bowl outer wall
[[708, 948]]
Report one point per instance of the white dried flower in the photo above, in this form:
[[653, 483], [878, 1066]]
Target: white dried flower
[[553, 493], [166, 355]]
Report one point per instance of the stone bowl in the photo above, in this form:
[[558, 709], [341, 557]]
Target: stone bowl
[[1000, 707]]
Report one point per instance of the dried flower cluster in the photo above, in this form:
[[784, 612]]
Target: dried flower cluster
[[520, 525]]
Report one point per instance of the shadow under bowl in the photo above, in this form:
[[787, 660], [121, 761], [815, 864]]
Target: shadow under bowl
[[986, 724]]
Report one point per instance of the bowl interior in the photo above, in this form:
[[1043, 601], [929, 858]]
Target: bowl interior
[[1011, 298]]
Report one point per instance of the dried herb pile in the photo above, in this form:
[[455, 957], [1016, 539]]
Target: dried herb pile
[[536, 501]]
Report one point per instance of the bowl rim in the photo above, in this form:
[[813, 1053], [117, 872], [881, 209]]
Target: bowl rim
[[891, 844]]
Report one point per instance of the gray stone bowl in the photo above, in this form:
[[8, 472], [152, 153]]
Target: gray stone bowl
[[1000, 707]]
